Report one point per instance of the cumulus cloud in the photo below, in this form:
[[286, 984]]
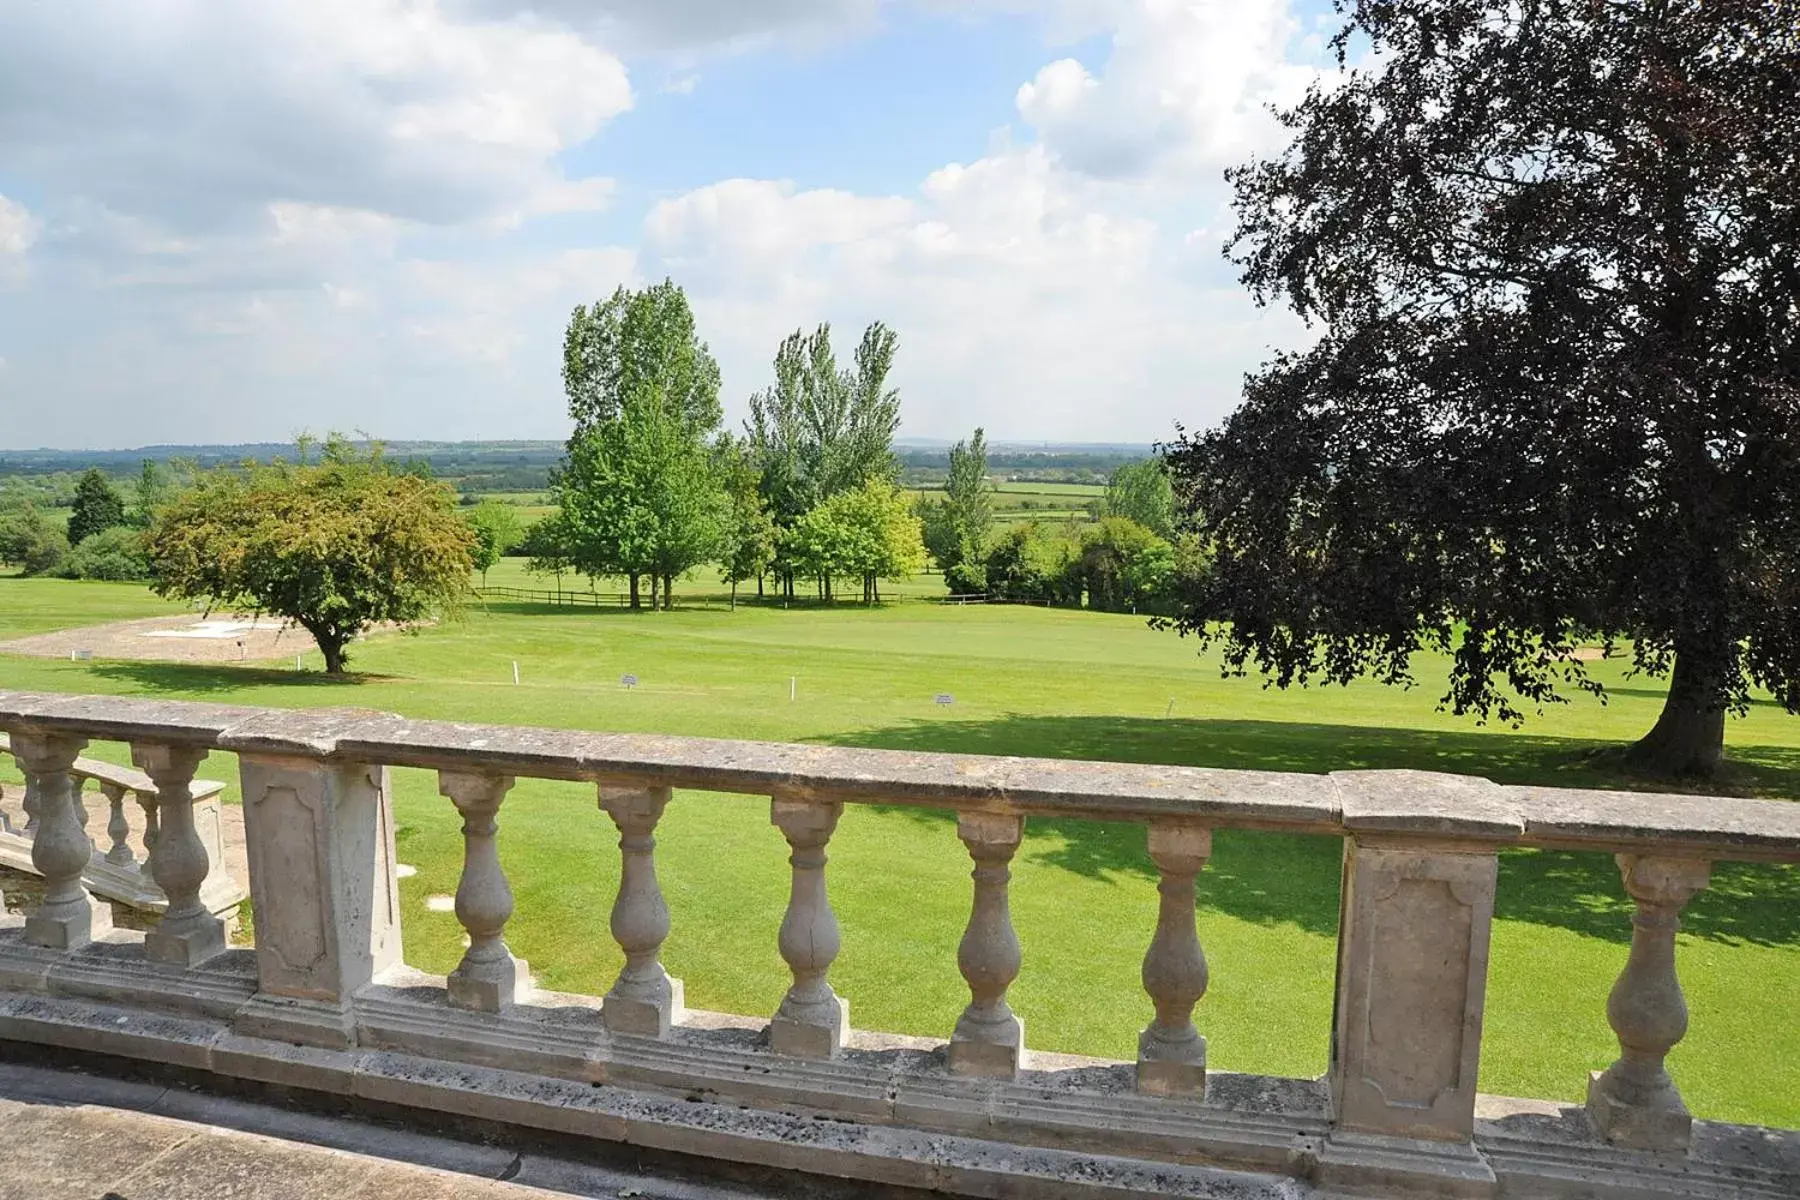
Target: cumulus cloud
[[319, 213], [197, 116], [1186, 87], [691, 25], [18, 228], [1022, 298]]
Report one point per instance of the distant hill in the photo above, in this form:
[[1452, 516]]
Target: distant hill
[[525, 465]]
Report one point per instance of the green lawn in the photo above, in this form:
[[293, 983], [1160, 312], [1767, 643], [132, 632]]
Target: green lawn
[[1037, 682]]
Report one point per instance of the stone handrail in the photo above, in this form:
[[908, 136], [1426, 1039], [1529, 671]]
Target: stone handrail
[[325, 1003], [116, 872]]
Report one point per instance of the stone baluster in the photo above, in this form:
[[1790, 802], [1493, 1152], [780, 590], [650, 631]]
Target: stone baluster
[[1171, 1052], [812, 1019], [644, 999], [187, 935], [989, 1038], [152, 822], [68, 917], [489, 978], [117, 827], [1634, 1102], [30, 803]]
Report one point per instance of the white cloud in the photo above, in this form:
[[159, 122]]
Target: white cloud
[[1023, 300], [693, 25], [18, 228], [1186, 88], [199, 117], [326, 207]]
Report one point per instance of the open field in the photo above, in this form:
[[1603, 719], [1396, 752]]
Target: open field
[[1026, 681]]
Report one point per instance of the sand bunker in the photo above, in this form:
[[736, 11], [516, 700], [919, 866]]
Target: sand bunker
[[189, 638]]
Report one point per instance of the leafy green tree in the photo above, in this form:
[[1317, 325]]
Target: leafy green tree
[[821, 430], [640, 497], [1550, 252], [152, 490], [636, 489], [1123, 566], [958, 526], [869, 534], [747, 531], [1035, 563], [497, 532], [1143, 492], [115, 554], [97, 506], [632, 343], [548, 548], [335, 547], [31, 543]]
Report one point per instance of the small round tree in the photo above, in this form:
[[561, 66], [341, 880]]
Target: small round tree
[[336, 547]]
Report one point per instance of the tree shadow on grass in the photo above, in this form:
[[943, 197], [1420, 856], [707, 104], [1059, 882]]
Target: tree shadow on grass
[[212, 678], [1270, 878]]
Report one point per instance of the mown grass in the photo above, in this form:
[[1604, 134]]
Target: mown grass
[[1032, 682]]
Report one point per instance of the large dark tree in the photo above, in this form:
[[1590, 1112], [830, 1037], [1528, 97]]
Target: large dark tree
[[1551, 251]]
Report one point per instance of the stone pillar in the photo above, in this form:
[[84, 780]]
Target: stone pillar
[[320, 837], [188, 934], [1406, 1043], [1634, 1102], [1171, 1052], [644, 999], [117, 828], [812, 1019], [68, 917], [489, 978], [989, 1038]]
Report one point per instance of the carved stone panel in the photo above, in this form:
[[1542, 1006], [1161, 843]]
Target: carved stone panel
[[286, 841], [1412, 977], [320, 843]]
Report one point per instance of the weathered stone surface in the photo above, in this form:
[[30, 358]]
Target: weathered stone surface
[[1412, 976], [1427, 804], [1725, 827], [320, 840]]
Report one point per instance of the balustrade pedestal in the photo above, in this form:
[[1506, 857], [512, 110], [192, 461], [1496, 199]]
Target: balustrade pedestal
[[1634, 1102]]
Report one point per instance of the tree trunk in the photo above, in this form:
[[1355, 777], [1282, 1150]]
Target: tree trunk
[[332, 648], [668, 593], [655, 592], [734, 595], [1689, 737], [634, 591], [759, 591]]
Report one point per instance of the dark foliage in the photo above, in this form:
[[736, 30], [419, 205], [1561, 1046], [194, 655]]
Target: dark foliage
[[1552, 250]]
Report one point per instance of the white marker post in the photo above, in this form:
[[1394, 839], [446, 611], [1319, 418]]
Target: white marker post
[[296, 662], [793, 686], [515, 674]]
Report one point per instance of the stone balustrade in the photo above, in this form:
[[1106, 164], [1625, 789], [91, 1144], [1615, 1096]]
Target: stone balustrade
[[117, 873], [324, 1004]]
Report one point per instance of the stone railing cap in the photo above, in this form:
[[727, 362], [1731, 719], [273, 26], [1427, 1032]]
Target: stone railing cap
[[1384, 803], [1428, 804]]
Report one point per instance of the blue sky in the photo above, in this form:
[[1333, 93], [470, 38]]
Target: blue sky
[[227, 223]]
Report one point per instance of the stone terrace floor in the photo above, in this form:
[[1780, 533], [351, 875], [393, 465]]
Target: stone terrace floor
[[74, 1136]]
